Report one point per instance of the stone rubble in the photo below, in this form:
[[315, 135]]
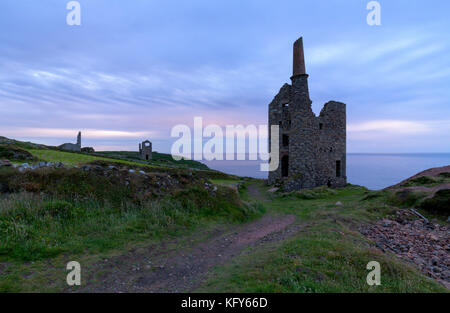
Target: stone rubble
[[427, 245], [160, 180], [5, 163]]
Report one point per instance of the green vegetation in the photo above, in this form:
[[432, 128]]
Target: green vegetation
[[15, 150], [51, 215], [78, 159], [428, 181], [73, 158], [34, 227], [430, 194], [157, 159], [438, 204], [320, 260], [316, 193], [18, 152], [327, 255], [14, 153], [405, 198], [226, 182], [49, 211]]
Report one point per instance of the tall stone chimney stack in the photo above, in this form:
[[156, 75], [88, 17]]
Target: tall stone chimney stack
[[79, 139], [299, 58]]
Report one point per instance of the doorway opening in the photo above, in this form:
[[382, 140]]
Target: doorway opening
[[285, 166]]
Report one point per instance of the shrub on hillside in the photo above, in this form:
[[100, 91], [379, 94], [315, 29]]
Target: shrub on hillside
[[315, 193], [35, 226], [71, 183], [59, 208], [12, 152], [439, 203], [421, 181], [406, 197]]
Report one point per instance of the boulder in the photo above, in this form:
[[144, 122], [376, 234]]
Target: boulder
[[5, 163], [87, 150], [272, 190]]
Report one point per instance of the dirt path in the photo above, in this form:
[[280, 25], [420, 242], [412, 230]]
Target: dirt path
[[184, 270], [253, 191]]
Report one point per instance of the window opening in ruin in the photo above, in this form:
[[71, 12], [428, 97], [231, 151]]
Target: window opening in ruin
[[285, 140], [320, 126], [285, 166], [338, 168]]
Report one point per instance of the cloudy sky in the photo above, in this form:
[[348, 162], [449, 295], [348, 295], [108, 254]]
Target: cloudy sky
[[134, 69]]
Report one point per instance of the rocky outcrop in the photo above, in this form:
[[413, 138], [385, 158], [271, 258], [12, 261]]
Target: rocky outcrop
[[12, 152], [422, 243], [432, 172], [428, 190], [144, 181]]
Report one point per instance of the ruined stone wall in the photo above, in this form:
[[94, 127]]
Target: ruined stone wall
[[332, 145], [279, 115], [315, 144], [302, 149], [145, 150], [76, 147], [70, 147]]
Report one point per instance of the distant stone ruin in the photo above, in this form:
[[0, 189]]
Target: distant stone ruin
[[87, 150], [312, 149], [72, 146], [145, 150]]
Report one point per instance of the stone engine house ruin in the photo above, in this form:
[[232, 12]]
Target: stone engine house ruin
[[145, 150], [72, 146], [312, 148]]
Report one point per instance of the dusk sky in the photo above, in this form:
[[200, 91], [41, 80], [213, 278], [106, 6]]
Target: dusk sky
[[134, 69]]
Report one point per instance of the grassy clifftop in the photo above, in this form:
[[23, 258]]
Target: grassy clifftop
[[331, 251], [110, 205], [19, 151], [102, 201]]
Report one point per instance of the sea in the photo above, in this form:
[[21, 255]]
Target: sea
[[374, 171]]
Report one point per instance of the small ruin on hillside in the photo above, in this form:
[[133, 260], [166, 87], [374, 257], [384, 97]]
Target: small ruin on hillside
[[312, 149], [72, 146], [145, 150]]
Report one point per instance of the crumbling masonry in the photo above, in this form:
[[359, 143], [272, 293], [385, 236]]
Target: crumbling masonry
[[312, 149], [145, 150], [72, 146]]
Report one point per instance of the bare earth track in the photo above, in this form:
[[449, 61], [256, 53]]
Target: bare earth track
[[184, 270], [164, 268]]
